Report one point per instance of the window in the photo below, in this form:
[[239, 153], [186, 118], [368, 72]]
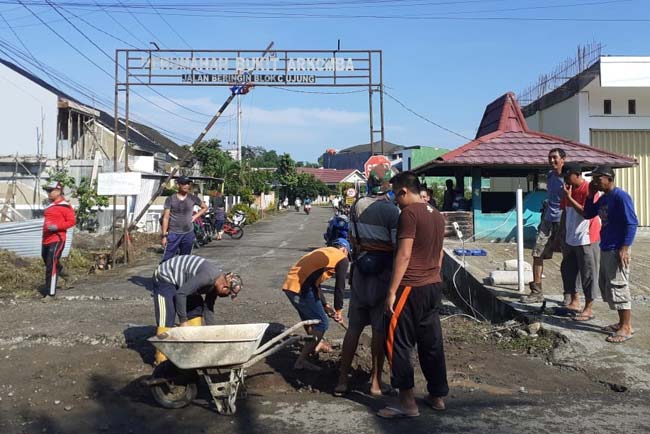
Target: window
[[631, 106], [607, 106]]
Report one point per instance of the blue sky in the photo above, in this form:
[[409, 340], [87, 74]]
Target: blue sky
[[443, 59]]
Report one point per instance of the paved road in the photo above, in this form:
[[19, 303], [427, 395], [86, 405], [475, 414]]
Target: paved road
[[74, 365]]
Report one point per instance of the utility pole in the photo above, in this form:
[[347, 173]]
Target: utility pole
[[238, 127]]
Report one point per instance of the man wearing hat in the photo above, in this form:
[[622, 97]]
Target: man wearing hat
[[374, 231], [578, 255], [303, 288], [178, 221], [619, 223], [58, 218]]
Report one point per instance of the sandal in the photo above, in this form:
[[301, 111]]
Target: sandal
[[582, 318], [618, 339], [613, 328], [396, 413], [436, 405]]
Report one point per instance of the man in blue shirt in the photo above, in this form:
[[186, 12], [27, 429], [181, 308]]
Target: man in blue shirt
[[619, 222], [549, 228]]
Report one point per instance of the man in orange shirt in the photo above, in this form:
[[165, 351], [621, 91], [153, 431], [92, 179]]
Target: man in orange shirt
[[302, 287]]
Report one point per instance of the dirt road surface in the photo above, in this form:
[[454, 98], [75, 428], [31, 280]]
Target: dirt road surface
[[74, 365]]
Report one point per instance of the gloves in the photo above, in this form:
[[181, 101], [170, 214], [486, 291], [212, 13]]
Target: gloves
[[52, 228]]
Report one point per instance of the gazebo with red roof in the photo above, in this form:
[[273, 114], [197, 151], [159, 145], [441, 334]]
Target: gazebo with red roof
[[504, 147]]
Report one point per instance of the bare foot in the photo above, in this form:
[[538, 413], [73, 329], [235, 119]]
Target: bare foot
[[574, 307], [384, 389], [323, 347]]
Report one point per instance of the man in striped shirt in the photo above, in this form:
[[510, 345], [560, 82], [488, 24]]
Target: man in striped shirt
[[179, 284]]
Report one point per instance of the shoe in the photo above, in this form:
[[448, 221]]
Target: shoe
[[535, 296]]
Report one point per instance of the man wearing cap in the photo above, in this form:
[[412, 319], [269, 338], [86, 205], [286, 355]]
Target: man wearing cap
[[178, 221], [619, 223], [374, 230], [58, 218], [548, 232], [179, 284], [578, 255], [303, 288]]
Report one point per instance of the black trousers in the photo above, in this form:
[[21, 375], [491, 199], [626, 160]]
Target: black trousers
[[51, 254], [416, 322]]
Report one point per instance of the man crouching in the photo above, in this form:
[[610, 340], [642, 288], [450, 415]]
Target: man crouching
[[179, 284]]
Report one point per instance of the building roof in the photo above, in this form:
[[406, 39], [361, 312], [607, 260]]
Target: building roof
[[389, 148], [136, 139], [157, 137], [504, 141], [329, 176]]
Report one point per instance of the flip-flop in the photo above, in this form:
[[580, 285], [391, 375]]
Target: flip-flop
[[428, 402], [386, 390], [613, 328], [582, 318], [395, 413], [622, 338]]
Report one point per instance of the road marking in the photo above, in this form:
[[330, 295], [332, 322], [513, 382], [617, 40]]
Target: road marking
[[284, 243]]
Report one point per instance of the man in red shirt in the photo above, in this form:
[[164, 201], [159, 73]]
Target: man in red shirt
[[414, 299], [578, 255], [59, 217]]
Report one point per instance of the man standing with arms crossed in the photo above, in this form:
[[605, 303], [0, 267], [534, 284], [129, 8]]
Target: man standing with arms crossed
[[178, 221], [548, 232], [374, 230], [619, 222], [58, 218], [414, 299]]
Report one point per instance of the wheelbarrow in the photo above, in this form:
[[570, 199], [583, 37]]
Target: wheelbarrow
[[218, 354]]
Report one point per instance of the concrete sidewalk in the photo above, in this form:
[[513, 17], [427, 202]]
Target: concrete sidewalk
[[622, 366]]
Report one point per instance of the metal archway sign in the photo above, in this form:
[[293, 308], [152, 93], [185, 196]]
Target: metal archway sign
[[239, 69]]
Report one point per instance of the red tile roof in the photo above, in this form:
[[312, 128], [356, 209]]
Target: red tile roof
[[503, 140], [328, 176]]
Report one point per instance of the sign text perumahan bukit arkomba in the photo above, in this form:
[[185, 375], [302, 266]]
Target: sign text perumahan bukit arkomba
[[267, 69]]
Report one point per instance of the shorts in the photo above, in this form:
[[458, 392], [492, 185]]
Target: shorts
[[367, 299], [614, 281], [548, 240], [309, 307]]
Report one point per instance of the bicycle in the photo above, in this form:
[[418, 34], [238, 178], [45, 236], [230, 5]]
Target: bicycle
[[233, 230]]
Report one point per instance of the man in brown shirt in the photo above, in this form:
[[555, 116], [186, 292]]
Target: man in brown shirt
[[413, 300]]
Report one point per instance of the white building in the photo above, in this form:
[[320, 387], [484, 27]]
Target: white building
[[607, 106]]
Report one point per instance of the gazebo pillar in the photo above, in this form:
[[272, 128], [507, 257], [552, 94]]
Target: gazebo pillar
[[476, 195]]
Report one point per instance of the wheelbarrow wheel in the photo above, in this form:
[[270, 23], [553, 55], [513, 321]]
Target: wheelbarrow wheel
[[178, 389], [174, 395]]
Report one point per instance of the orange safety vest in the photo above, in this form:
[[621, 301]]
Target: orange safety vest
[[324, 259]]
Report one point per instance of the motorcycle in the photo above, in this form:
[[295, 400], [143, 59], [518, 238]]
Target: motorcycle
[[202, 232], [233, 228], [307, 209]]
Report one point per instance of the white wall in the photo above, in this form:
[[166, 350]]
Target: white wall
[[23, 102], [558, 120]]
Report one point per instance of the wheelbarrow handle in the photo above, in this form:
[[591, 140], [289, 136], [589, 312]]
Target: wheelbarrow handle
[[284, 334], [271, 351]]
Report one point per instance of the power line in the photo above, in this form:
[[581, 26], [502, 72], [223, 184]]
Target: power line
[[169, 25], [423, 117], [111, 58], [78, 88], [119, 23], [140, 22]]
